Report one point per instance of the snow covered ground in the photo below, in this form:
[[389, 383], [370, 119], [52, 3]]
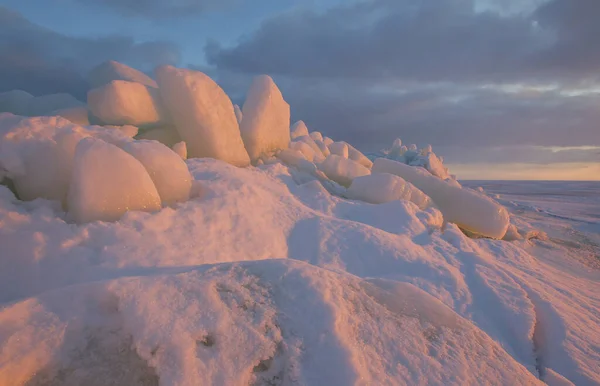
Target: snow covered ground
[[127, 264], [261, 280]]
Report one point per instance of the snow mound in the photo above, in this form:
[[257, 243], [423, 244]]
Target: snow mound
[[379, 188], [467, 208], [127, 103], [167, 169], [299, 129], [108, 71], [266, 322], [265, 127], [342, 170], [203, 114], [107, 182]]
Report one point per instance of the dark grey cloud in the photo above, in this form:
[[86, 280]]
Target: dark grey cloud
[[41, 61], [423, 40], [160, 9]]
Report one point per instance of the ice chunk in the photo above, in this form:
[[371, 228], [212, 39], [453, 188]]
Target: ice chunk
[[355, 155], [379, 188], [342, 170], [308, 152], [265, 127], [45, 105], [111, 70], [167, 169], [327, 141], [467, 208], [203, 115], [77, 115], [316, 136], [126, 103], [299, 129], [322, 147], [432, 163], [339, 148], [181, 149], [107, 182], [167, 135], [238, 113], [313, 145], [296, 159], [15, 102]]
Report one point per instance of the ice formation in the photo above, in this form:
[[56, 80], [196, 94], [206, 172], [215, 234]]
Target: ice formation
[[108, 71], [107, 182], [379, 188], [467, 208], [299, 129], [127, 103], [203, 115], [167, 169], [266, 124], [342, 170]]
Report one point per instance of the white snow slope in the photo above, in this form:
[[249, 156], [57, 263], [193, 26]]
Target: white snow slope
[[261, 280]]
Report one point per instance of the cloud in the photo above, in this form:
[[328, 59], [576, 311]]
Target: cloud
[[160, 9], [41, 61], [423, 40]]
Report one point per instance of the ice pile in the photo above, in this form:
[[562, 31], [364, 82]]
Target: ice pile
[[190, 114]]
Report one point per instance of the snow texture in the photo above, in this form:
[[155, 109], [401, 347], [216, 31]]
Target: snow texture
[[107, 182], [265, 127], [203, 115]]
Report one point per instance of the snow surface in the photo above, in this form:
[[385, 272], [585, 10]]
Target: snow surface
[[108, 71], [266, 124], [127, 103], [203, 115], [107, 182], [266, 281]]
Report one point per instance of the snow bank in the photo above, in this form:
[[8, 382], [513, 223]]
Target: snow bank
[[299, 129], [111, 70], [167, 135], [107, 182], [203, 115], [127, 103], [342, 170], [265, 127], [379, 188], [167, 169], [467, 208]]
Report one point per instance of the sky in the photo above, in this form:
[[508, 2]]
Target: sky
[[503, 89]]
